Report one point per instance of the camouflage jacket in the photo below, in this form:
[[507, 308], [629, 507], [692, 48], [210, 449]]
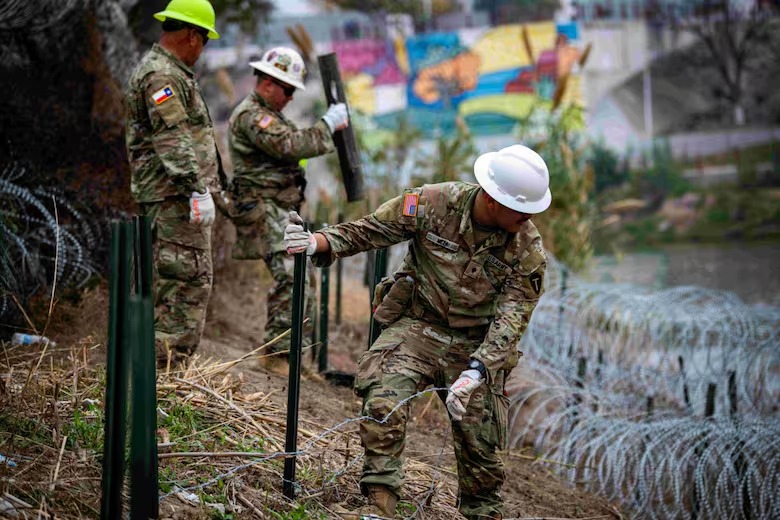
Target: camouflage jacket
[[460, 283], [265, 147], [169, 134]]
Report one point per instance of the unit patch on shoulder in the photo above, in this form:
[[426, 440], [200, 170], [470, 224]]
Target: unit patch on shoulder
[[265, 121], [536, 282], [163, 95], [411, 203]]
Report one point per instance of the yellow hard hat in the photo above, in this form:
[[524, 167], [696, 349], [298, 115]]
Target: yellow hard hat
[[196, 12]]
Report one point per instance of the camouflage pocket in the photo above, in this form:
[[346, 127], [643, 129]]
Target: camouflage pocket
[[251, 242], [380, 291], [395, 302], [500, 406], [370, 365], [289, 198]]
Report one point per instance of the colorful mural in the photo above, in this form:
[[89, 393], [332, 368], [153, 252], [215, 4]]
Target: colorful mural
[[491, 78]]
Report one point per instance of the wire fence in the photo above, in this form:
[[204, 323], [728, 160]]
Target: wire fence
[[38, 226], [665, 401]]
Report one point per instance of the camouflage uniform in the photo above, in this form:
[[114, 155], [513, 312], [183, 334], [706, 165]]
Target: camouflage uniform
[[172, 152], [472, 299], [268, 183]]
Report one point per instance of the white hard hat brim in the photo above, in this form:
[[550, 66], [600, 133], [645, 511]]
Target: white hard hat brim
[[482, 173], [263, 66]]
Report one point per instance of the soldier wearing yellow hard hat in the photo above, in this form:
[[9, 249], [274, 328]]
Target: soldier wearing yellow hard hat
[[175, 168]]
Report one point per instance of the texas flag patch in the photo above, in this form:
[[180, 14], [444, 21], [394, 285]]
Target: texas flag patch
[[411, 201], [163, 95]]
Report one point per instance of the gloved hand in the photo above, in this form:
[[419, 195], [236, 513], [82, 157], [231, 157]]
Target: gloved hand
[[336, 117], [297, 239], [202, 209], [460, 393]]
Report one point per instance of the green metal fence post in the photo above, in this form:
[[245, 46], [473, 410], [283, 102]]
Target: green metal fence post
[[379, 272], [294, 382], [143, 451], [339, 274], [322, 357], [117, 373]]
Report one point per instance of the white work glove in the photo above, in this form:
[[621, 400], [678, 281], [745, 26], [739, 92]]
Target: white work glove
[[202, 209], [460, 392], [336, 117], [297, 239]]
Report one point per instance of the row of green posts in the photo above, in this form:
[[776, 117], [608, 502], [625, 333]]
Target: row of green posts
[[131, 365], [131, 361]]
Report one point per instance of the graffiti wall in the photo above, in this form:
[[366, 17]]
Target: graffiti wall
[[489, 78]]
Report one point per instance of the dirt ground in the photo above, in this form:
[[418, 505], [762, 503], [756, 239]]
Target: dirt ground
[[235, 327]]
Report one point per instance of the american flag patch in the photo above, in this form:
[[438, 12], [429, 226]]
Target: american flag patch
[[411, 201], [163, 94], [265, 121]]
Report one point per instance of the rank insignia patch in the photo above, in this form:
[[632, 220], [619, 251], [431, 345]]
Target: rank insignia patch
[[411, 202], [163, 95]]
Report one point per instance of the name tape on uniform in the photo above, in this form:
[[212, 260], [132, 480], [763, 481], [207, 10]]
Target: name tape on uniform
[[495, 262], [452, 246], [163, 95]]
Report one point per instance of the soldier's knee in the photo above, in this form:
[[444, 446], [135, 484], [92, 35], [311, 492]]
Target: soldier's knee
[[384, 410], [386, 426]]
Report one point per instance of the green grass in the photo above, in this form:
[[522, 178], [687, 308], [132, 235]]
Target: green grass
[[27, 432], [85, 430]]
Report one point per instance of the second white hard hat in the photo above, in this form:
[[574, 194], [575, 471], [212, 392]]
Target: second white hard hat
[[284, 64], [516, 177]]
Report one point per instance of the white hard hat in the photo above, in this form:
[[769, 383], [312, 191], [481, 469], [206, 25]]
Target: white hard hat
[[516, 177], [283, 64]]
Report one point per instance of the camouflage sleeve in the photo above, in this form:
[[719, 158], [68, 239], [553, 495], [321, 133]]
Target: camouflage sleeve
[[284, 142], [516, 303], [386, 226], [166, 102]]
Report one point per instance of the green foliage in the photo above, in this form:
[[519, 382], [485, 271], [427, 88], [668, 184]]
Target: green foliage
[[660, 176], [643, 232], [567, 225], [452, 161], [185, 426], [86, 428], [299, 512], [608, 170], [27, 431]]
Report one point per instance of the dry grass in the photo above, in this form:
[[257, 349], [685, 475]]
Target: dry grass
[[209, 423]]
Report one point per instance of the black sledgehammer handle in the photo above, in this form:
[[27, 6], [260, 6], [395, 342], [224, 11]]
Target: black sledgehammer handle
[[346, 146]]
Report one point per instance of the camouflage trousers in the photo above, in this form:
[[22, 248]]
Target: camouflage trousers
[[281, 266], [409, 356], [183, 277]]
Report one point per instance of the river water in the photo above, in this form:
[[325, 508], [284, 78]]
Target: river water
[[751, 271]]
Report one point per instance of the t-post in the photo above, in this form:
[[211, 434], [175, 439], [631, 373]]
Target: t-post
[[294, 383]]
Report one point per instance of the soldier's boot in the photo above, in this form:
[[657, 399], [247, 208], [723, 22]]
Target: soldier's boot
[[381, 505], [275, 364]]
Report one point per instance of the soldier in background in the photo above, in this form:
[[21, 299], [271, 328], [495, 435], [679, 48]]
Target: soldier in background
[[268, 181], [175, 168], [454, 314]]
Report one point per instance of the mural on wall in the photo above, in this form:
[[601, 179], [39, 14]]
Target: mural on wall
[[491, 77]]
